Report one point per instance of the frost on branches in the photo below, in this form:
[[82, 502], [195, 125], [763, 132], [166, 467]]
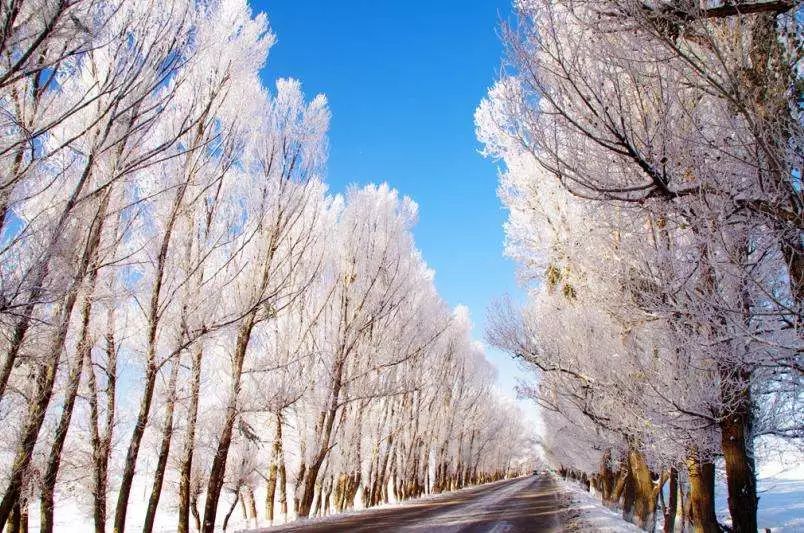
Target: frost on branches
[[189, 319], [652, 166]]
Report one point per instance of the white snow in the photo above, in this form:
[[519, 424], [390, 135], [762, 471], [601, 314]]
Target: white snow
[[781, 496], [588, 514], [781, 504], [780, 486]]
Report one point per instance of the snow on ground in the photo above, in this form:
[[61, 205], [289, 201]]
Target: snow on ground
[[780, 485], [781, 503], [72, 517], [588, 514], [781, 496]]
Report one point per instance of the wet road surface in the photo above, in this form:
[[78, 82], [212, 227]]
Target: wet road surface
[[530, 504]]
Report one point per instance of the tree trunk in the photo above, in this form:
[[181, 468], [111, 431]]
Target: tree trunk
[[629, 495], [102, 440], [218, 469], [46, 376], [164, 448], [273, 472], [377, 488], [702, 495], [15, 520], [339, 488], [735, 429], [684, 505], [270, 492], [308, 483], [606, 479], [35, 417], [23, 517], [298, 488], [354, 484], [229, 513], [283, 487], [672, 503], [54, 459], [307, 491], [644, 495], [134, 449], [327, 494], [619, 486], [189, 445], [151, 367], [194, 511], [39, 274], [251, 506], [316, 507], [82, 352]]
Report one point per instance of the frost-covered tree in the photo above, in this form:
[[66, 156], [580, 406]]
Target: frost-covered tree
[[186, 312], [658, 213]]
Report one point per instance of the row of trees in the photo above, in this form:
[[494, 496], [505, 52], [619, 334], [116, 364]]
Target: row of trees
[[652, 159], [186, 313]]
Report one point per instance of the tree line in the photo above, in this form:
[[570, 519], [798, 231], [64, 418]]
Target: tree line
[[652, 169], [186, 312]]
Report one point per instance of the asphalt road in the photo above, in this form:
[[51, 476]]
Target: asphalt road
[[530, 504]]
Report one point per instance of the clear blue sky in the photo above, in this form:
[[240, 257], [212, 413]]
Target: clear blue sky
[[403, 80]]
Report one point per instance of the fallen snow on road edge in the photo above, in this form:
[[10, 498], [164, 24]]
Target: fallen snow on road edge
[[586, 513]]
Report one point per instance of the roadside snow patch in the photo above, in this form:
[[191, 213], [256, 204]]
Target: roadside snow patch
[[586, 513]]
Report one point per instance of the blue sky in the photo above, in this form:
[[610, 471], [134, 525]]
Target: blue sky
[[403, 80]]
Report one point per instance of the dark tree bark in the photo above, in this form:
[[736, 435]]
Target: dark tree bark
[[273, 472], [151, 366], [250, 505], [46, 375], [39, 276], [606, 478], [672, 503], [102, 439], [73, 381], [194, 510], [218, 470], [231, 510], [740, 473], [164, 449], [82, 352], [189, 445], [640, 492], [702, 495]]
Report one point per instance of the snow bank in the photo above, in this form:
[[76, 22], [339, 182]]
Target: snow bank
[[781, 496], [586, 513], [780, 484]]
